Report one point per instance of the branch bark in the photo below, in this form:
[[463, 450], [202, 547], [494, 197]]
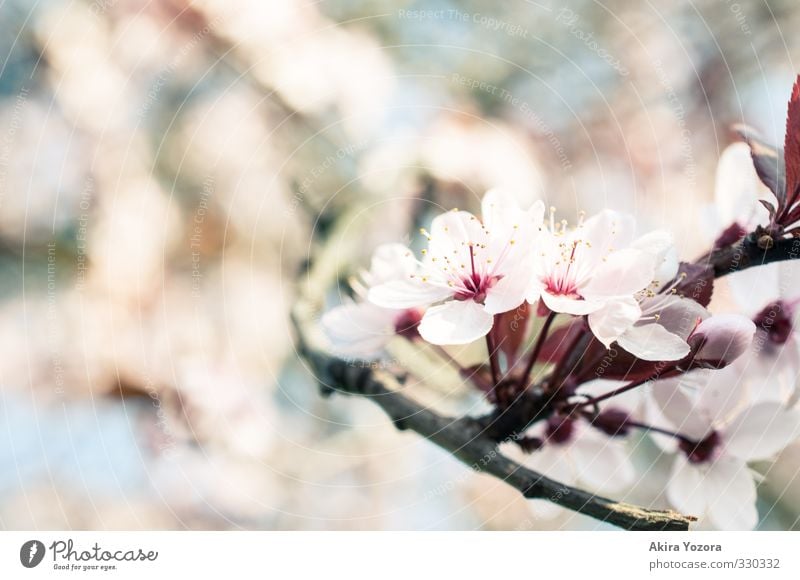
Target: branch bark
[[748, 253], [466, 439]]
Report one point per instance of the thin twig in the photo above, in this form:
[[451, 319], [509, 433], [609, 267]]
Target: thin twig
[[523, 380]]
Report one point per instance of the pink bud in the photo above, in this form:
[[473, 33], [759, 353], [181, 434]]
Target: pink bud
[[719, 340]]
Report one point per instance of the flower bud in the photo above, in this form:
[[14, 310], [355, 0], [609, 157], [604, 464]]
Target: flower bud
[[719, 340], [613, 422]]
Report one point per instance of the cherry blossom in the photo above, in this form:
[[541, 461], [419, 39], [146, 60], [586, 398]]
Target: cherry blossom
[[361, 329], [574, 453], [719, 340], [471, 270], [721, 432], [579, 270], [769, 296]]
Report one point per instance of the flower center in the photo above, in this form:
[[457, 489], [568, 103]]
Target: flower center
[[560, 429], [776, 321], [701, 451], [406, 323], [563, 281], [475, 284]]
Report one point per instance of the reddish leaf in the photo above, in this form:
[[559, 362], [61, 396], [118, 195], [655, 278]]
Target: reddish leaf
[[732, 234], [791, 146], [697, 283], [509, 331], [559, 341], [769, 206], [768, 161], [622, 366]]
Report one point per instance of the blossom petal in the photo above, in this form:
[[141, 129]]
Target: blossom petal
[[660, 244], [737, 184], [451, 234], [623, 273], [613, 319], [401, 294], [391, 262], [730, 494], [719, 394], [601, 463], [568, 305], [455, 322], [726, 338], [685, 489], [657, 242], [653, 342], [678, 315], [606, 230], [761, 431], [553, 462], [358, 330], [754, 288], [501, 209], [509, 292], [677, 400]]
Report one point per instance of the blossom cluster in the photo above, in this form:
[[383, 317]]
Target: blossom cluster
[[619, 329]]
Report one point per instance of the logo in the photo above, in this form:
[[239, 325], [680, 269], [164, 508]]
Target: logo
[[31, 553]]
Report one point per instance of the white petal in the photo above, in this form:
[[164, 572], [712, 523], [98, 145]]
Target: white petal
[[534, 291], [754, 288], [761, 431], [727, 337], [402, 294], [553, 462], [652, 415], [623, 273], [602, 463], [789, 274], [605, 231], [630, 401], [677, 400], [660, 244], [737, 184], [613, 319], [358, 330], [685, 489], [455, 322], [501, 209], [653, 342], [451, 234], [567, 305], [678, 315], [509, 292], [391, 262], [719, 394], [657, 243], [731, 495]]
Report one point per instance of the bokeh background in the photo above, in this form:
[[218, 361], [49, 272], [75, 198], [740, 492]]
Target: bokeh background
[[167, 167]]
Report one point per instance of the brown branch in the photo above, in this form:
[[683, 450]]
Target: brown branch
[[466, 439], [756, 249]]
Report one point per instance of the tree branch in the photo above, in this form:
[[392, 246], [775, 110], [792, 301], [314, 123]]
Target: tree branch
[[755, 249], [466, 439]]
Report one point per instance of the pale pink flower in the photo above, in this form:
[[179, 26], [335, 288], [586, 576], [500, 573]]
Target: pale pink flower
[[769, 295], [579, 270], [576, 454], [710, 478], [362, 329], [474, 269], [721, 339]]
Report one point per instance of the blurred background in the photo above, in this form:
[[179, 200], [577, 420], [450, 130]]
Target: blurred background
[[167, 167]]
